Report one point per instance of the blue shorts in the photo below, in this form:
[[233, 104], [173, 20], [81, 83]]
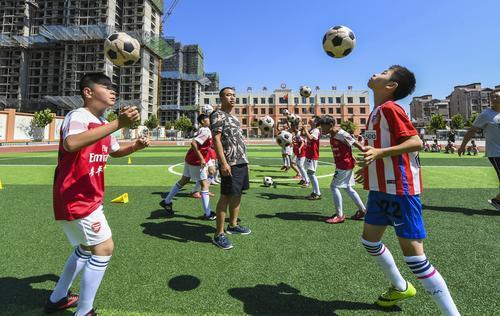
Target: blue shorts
[[403, 212]]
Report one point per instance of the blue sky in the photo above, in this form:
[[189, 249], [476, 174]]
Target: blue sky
[[264, 43]]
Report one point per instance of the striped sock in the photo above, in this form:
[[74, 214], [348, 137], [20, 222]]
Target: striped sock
[[75, 263], [91, 279], [175, 189], [433, 282], [384, 259]]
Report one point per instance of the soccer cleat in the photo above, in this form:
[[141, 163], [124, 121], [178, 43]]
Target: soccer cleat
[[238, 230], [392, 296], [222, 242], [335, 219], [495, 203], [91, 313], [359, 215], [283, 168], [196, 195], [167, 207], [210, 217], [71, 300], [314, 197], [306, 184], [301, 182]]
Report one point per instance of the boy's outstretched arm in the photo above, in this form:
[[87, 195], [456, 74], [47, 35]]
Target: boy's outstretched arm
[[139, 144], [408, 144]]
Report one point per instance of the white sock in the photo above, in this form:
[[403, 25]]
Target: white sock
[[355, 197], [205, 201], [75, 263], [337, 200], [314, 181], [196, 187], [175, 189], [433, 282], [384, 258], [91, 279], [303, 172]]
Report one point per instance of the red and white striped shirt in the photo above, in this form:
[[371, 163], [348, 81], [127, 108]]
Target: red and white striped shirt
[[399, 175]]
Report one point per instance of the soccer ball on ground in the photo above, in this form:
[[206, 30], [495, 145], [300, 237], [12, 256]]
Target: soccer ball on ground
[[339, 41], [284, 139], [268, 181], [266, 124], [122, 49], [294, 119], [305, 91], [206, 109]]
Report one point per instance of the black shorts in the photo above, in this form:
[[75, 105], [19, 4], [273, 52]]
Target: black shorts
[[495, 161], [237, 183]]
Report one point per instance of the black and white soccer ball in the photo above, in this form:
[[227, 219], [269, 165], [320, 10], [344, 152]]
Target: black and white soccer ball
[[305, 91], [284, 138], [285, 112], [266, 124], [122, 49], [206, 109], [293, 119], [339, 41], [267, 181]]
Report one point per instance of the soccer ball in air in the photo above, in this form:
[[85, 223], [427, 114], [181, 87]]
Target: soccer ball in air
[[294, 119], [206, 109], [339, 41], [305, 91], [284, 139], [285, 112], [268, 181], [122, 49], [266, 124]]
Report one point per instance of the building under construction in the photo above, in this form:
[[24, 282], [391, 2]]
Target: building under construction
[[46, 46]]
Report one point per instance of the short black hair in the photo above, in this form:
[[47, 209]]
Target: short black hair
[[316, 120], [327, 120], [90, 79], [405, 80], [201, 117], [221, 92]]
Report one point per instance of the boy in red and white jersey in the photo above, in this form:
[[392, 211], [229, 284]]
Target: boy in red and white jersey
[[85, 145], [391, 172], [312, 137], [299, 153], [195, 168], [341, 143]]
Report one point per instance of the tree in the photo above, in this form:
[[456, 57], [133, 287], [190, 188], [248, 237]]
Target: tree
[[348, 126], [42, 118], [183, 124], [471, 119], [168, 125], [437, 122], [457, 121], [152, 122], [111, 116]]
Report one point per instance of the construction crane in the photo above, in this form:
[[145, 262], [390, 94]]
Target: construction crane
[[169, 11]]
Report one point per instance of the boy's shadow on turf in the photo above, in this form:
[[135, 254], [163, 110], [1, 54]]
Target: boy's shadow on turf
[[274, 196], [180, 194], [283, 299], [466, 211], [179, 231], [18, 297], [295, 216]]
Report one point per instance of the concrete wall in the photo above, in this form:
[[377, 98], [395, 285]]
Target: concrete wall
[[16, 127]]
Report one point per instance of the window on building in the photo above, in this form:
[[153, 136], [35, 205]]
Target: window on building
[[244, 100], [323, 111], [255, 100], [206, 101], [270, 100], [338, 121], [244, 121], [255, 111], [350, 110], [296, 111], [262, 100], [362, 110], [322, 100], [338, 100], [351, 120], [296, 100], [237, 100], [330, 110], [237, 111], [311, 100], [350, 100], [304, 110], [304, 100], [217, 101], [362, 99], [330, 100], [263, 111], [362, 120], [244, 111], [338, 110], [271, 111]]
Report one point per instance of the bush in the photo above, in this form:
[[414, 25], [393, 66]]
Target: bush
[[348, 126], [152, 122], [183, 124], [42, 118]]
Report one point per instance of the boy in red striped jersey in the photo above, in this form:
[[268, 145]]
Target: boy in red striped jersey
[[391, 172], [312, 137], [85, 145]]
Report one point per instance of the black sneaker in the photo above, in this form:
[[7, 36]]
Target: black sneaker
[[222, 242], [314, 197], [91, 313], [238, 229], [167, 207], [71, 300], [495, 203], [210, 217]]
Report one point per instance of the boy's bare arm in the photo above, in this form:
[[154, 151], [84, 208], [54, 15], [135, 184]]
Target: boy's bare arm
[[409, 144]]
